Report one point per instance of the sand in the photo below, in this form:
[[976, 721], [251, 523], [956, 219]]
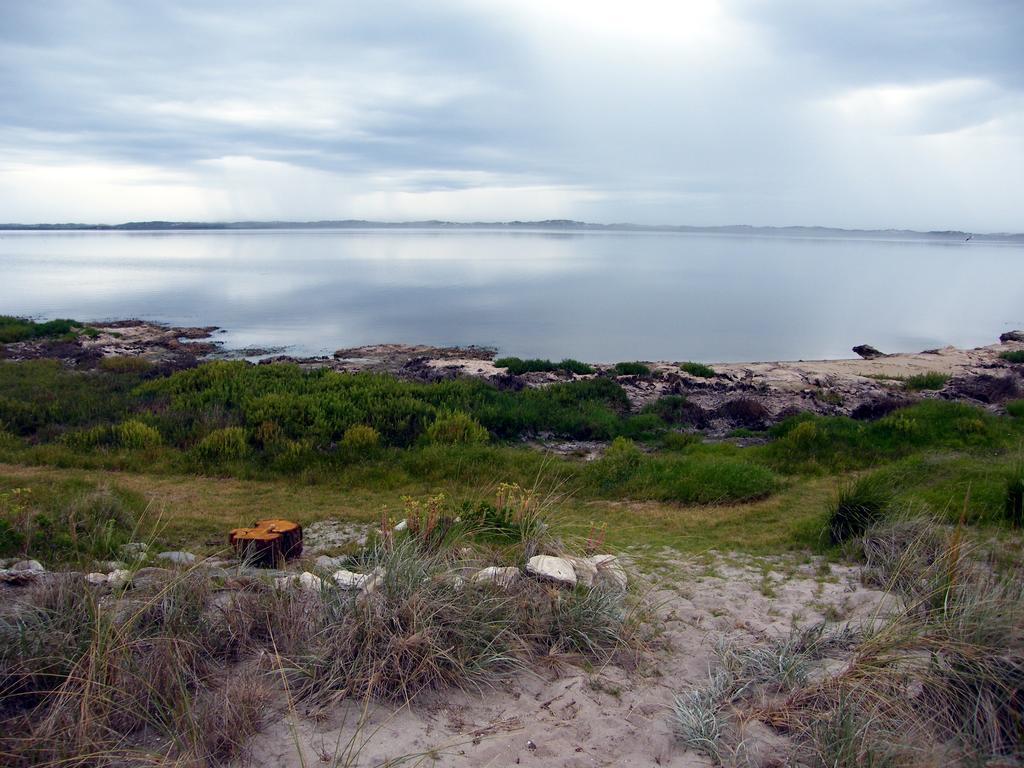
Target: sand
[[565, 716]]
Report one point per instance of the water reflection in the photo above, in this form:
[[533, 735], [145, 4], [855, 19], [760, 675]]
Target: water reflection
[[598, 296]]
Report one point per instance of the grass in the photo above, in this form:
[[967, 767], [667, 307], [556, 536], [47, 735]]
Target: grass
[[858, 505], [938, 678], [181, 666], [697, 369], [930, 380], [1014, 356]]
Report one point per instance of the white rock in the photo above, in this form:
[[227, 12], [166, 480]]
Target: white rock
[[310, 582], [402, 526], [177, 558], [367, 582], [609, 570], [119, 578], [554, 568], [586, 571], [96, 578], [494, 574], [32, 566], [285, 582], [328, 563]]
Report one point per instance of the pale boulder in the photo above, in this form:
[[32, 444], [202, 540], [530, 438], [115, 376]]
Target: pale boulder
[[502, 577], [609, 571], [556, 569]]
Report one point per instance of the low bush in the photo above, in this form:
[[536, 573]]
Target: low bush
[[697, 369], [631, 369], [456, 428], [1016, 409], [1015, 356], [223, 444], [136, 434], [13, 329], [129, 364], [857, 506], [518, 366], [931, 380], [361, 439]]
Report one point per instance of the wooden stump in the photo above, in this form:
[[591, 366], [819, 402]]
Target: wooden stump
[[268, 544]]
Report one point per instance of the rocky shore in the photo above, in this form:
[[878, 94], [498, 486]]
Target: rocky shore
[[738, 395]]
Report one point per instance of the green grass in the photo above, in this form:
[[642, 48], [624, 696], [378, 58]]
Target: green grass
[[928, 381], [518, 366], [697, 369], [1014, 356]]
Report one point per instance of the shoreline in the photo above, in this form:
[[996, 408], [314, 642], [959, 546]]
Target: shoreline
[[749, 396]]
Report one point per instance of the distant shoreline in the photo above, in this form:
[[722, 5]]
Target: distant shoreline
[[560, 225]]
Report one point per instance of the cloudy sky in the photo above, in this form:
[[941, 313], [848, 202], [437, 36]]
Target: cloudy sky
[[854, 113]]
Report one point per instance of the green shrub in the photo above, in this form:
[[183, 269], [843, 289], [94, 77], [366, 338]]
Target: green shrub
[[223, 444], [1016, 409], [858, 506], [1016, 356], [456, 428], [13, 329], [136, 434], [697, 369], [679, 441], [125, 364], [360, 438], [619, 463], [518, 366], [631, 369], [931, 380]]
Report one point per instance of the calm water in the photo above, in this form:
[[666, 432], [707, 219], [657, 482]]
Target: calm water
[[595, 296]]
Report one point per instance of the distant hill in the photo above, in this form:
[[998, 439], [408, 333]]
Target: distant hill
[[552, 224]]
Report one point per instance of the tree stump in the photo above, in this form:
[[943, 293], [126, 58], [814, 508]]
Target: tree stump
[[268, 544]]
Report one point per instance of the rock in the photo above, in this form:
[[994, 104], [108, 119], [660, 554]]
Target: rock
[[367, 582], [401, 526], [96, 579], [177, 558], [609, 571], [494, 574], [1011, 336], [145, 578], [310, 582], [33, 566], [285, 582], [586, 571], [119, 578], [109, 565], [134, 550], [328, 563], [556, 569], [867, 351]]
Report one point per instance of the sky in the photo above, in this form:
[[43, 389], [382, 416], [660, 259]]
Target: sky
[[847, 113]]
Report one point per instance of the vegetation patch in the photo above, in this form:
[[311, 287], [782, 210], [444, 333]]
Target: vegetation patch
[[928, 381], [697, 369], [518, 366], [1014, 356], [631, 369]]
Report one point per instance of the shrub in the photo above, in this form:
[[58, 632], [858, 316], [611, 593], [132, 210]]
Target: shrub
[[857, 506], [676, 409], [679, 441], [931, 380], [13, 329], [1016, 356], [1016, 409], [697, 369], [136, 434], [125, 364], [745, 411], [360, 438], [518, 366], [618, 464], [223, 444], [456, 428], [631, 369]]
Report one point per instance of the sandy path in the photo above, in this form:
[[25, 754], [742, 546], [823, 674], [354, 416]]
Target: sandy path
[[569, 717]]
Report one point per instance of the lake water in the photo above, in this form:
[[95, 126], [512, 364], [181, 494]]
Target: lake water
[[600, 296]]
